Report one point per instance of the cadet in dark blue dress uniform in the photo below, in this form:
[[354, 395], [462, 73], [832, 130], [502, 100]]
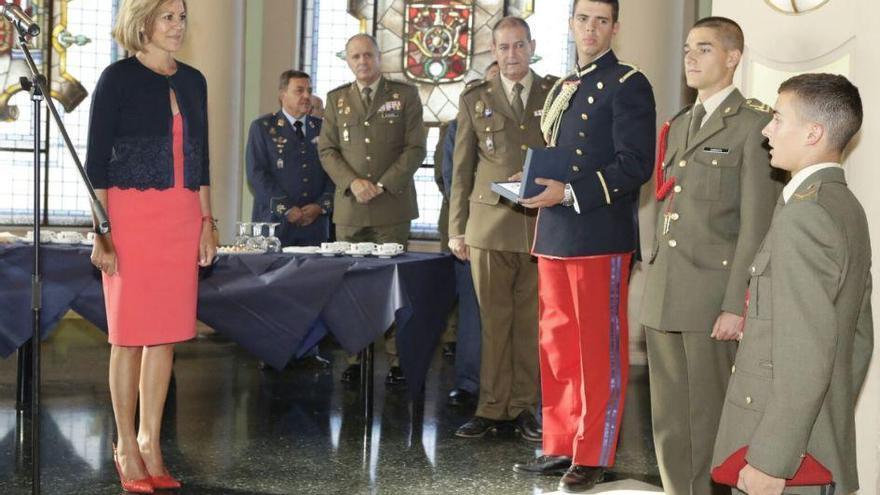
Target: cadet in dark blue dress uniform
[[283, 168], [586, 237]]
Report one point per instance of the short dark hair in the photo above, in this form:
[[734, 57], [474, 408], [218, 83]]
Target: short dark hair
[[287, 75], [730, 33], [615, 7], [512, 21], [830, 100]]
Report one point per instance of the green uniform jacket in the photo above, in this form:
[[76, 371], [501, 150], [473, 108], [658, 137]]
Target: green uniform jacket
[[383, 144], [490, 146], [808, 337], [709, 228]]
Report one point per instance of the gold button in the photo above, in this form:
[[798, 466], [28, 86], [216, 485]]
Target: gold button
[[524, 147], [677, 189], [305, 194], [616, 190], [600, 85], [367, 124], [715, 162], [754, 269], [488, 129], [590, 100], [576, 168], [367, 140], [674, 216], [305, 179], [733, 369], [748, 400], [724, 263], [683, 163], [369, 175], [480, 196], [727, 110], [581, 134], [579, 152], [369, 157], [391, 122], [522, 127], [672, 243], [305, 165], [584, 116]]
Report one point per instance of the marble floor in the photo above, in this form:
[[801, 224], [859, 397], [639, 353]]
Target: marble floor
[[231, 428]]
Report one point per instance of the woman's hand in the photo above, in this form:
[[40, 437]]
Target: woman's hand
[[104, 254], [207, 244]]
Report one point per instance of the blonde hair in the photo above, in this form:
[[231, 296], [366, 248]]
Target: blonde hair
[[135, 21]]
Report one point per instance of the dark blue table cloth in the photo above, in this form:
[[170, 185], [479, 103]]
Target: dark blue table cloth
[[273, 305]]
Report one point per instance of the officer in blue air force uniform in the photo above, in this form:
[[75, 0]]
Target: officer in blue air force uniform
[[283, 168]]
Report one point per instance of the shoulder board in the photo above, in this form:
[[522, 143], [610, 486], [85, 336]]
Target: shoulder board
[[811, 193], [393, 82], [758, 106], [632, 70], [337, 88], [473, 85], [267, 119], [473, 82]]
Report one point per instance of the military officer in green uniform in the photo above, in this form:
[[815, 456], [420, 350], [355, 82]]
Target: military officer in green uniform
[[371, 144], [808, 335], [715, 197], [498, 121]]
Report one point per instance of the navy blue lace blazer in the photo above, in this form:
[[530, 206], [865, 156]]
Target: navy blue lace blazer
[[130, 127]]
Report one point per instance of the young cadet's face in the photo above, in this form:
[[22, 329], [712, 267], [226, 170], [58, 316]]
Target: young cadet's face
[[513, 51], [593, 28], [788, 133], [707, 63]]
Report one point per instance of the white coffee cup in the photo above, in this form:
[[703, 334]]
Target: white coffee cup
[[389, 248], [68, 237], [341, 246], [364, 247]]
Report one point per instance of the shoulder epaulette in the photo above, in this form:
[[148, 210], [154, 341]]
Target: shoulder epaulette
[[808, 194], [681, 112], [473, 85], [633, 69], [337, 88], [758, 106]]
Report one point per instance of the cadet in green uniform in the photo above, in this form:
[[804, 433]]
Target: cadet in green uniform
[[498, 120], [808, 335], [716, 196], [372, 142]]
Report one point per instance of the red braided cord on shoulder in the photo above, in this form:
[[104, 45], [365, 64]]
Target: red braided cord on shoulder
[[661, 185]]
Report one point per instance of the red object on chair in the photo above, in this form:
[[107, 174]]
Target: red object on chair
[[810, 473]]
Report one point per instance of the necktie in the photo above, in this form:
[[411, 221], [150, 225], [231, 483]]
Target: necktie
[[298, 126], [368, 100], [696, 122], [517, 103]]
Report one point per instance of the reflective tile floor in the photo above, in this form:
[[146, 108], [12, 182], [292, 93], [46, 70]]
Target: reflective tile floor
[[231, 428]]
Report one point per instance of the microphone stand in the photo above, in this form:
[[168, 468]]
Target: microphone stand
[[37, 86]]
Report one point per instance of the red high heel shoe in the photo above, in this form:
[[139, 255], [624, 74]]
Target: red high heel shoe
[[165, 482], [132, 486]]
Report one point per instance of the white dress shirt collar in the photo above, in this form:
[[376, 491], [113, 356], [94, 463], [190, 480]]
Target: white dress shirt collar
[[802, 175], [526, 82], [292, 119], [713, 102]]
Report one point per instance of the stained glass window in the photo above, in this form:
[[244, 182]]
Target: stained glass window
[[83, 48]]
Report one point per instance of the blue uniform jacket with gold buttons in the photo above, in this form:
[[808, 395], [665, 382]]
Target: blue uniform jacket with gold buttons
[[610, 124], [285, 171]]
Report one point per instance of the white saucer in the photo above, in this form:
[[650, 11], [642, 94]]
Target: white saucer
[[301, 250], [380, 254]]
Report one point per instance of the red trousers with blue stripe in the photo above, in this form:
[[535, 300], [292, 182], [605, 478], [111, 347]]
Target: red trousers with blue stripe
[[584, 355]]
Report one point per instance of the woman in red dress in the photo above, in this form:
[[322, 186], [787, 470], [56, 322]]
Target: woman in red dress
[[147, 158]]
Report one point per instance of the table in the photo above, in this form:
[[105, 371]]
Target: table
[[274, 305]]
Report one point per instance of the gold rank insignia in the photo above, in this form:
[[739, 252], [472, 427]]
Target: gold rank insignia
[[272, 131], [340, 103], [347, 110], [479, 107], [811, 192], [280, 123], [757, 105], [345, 136], [395, 96], [280, 209], [311, 124]]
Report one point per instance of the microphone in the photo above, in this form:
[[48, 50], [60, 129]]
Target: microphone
[[19, 19]]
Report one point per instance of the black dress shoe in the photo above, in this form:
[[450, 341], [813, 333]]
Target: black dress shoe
[[528, 427], [459, 398], [395, 376], [449, 349], [352, 374], [546, 465], [579, 479], [477, 427]]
